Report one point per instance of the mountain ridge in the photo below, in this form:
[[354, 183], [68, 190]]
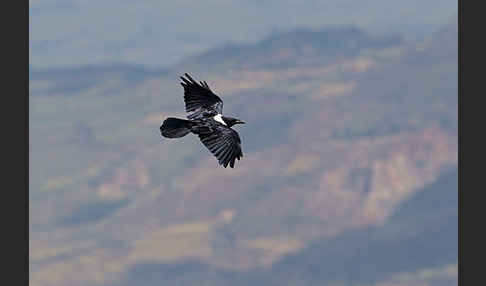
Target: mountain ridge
[[330, 148]]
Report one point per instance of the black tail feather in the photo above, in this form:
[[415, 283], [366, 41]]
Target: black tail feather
[[175, 127]]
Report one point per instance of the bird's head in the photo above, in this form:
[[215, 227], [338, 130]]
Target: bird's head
[[230, 121]]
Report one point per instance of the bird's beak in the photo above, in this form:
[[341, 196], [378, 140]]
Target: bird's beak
[[239, 122]]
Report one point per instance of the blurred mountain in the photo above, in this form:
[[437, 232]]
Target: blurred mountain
[[418, 242], [296, 48], [160, 33], [345, 134], [64, 81]]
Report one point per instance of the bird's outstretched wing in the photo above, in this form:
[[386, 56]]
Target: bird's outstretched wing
[[224, 143], [199, 99]]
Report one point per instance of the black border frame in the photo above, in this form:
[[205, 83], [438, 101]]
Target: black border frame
[[15, 131], [16, 135]]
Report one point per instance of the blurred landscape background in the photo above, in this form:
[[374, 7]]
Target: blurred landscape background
[[349, 174]]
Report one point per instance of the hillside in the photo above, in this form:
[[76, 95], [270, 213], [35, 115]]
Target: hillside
[[337, 141], [421, 234]]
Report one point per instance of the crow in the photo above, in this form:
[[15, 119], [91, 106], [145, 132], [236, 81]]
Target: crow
[[206, 121]]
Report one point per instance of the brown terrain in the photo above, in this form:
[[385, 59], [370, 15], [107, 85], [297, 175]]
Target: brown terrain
[[336, 140]]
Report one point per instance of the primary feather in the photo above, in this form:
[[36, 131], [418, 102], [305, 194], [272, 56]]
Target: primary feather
[[199, 99]]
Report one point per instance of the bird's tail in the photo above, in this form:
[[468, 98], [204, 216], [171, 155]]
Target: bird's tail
[[175, 127]]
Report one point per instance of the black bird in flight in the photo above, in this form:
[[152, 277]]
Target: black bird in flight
[[206, 121]]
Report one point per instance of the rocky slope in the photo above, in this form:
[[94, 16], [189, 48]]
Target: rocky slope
[[334, 142]]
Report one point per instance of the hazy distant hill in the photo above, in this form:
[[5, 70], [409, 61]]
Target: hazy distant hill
[[300, 47], [65, 81], [344, 133], [421, 234]]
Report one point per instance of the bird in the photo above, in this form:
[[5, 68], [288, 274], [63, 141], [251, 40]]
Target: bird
[[206, 120]]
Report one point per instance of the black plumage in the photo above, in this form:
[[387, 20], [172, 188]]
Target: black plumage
[[200, 100], [205, 119]]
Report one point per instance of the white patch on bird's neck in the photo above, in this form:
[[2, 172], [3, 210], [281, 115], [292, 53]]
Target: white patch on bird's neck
[[219, 118]]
